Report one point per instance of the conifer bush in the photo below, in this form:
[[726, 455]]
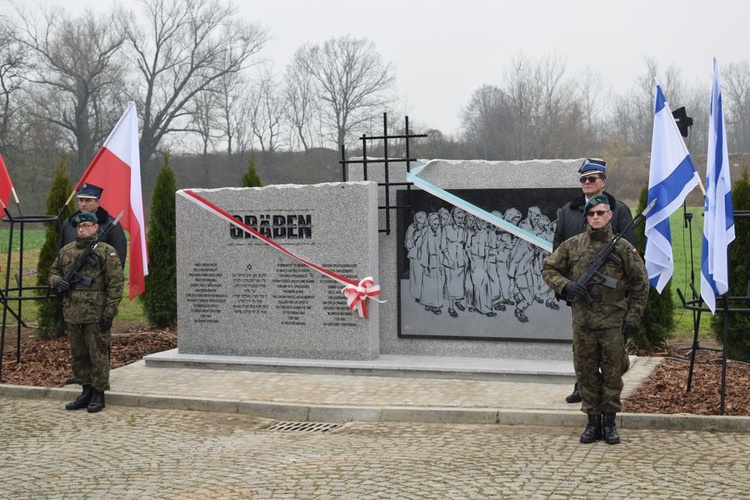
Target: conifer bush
[[738, 336], [658, 319], [160, 297], [50, 311], [250, 177]]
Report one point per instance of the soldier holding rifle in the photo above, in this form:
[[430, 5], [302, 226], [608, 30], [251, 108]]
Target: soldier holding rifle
[[572, 220], [88, 275], [604, 309], [89, 197]]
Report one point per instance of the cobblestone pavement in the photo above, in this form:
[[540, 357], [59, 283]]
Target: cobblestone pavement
[[135, 452]]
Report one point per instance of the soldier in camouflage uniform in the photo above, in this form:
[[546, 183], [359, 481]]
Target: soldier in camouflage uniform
[[89, 310], [598, 327]]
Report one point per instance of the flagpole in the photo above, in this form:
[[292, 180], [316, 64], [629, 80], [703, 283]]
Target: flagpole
[[725, 339], [65, 205], [15, 197]]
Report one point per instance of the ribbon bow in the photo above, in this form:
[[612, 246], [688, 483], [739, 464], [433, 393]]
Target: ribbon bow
[[357, 294]]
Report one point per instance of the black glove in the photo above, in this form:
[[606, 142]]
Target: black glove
[[574, 290], [62, 286], [105, 323], [627, 330]]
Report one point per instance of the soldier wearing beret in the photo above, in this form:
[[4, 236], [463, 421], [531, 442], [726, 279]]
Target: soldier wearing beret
[[89, 197], [599, 326], [89, 310], [572, 220]]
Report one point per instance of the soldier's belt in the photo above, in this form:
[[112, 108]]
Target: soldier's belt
[[608, 295]]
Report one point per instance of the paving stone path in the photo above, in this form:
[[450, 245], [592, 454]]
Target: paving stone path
[[136, 452]]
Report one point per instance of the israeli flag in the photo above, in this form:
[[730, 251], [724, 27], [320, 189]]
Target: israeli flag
[[672, 176], [718, 224]]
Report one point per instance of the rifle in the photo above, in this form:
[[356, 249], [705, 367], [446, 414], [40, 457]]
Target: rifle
[[74, 276], [592, 276]]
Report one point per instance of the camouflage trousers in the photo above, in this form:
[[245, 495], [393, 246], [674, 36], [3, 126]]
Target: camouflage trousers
[[89, 353], [598, 359]]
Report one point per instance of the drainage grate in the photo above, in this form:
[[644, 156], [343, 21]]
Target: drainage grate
[[303, 426]]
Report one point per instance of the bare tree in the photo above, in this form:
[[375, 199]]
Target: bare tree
[[77, 74], [234, 113], [523, 100], [13, 62], [267, 113], [546, 117], [189, 46], [484, 122], [633, 114], [559, 125], [736, 90], [300, 100], [592, 91], [351, 82], [535, 113], [203, 119]]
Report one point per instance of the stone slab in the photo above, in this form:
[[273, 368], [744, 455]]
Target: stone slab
[[469, 174], [239, 296]]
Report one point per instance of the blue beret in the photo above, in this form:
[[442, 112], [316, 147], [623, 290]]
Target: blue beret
[[593, 166], [596, 200], [90, 191], [83, 217]]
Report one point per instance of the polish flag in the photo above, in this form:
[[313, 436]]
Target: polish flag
[[117, 169], [6, 186]]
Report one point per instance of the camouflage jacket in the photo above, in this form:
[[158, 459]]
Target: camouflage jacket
[[571, 260], [89, 304]]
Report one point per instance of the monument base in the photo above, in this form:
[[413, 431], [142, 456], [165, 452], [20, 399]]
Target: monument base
[[448, 367]]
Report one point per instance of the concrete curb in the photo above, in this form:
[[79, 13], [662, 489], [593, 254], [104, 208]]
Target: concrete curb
[[303, 412]]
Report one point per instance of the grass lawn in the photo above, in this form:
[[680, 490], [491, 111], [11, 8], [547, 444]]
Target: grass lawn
[[685, 273]]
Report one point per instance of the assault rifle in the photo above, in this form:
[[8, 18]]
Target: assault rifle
[[74, 276], [592, 276]]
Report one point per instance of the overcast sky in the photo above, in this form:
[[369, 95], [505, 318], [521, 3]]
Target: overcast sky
[[445, 49]]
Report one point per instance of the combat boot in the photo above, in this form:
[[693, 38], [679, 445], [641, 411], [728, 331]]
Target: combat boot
[[593, 431], [81, 401], [97, 402], [575, 396], [610, 431]]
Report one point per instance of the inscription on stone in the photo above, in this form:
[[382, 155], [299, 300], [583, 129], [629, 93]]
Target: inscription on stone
[[206, 296], [250, 292], [337, 314], [293, 297]]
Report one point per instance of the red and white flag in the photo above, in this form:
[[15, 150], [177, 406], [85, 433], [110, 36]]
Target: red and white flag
[[117, 169], [6, 186]]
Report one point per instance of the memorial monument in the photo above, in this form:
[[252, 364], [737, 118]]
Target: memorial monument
[[466, 286]]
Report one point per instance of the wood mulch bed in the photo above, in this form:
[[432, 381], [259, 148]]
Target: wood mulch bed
[[665, 391], [46, 363]]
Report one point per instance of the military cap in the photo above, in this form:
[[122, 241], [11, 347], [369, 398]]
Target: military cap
[[90, 191], [83, 217], [596, 200], [593, 166]]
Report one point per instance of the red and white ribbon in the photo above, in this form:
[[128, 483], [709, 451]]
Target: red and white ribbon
[[355, 297]]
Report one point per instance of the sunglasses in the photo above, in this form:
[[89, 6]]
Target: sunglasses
[[590, 179], [600, 213]]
